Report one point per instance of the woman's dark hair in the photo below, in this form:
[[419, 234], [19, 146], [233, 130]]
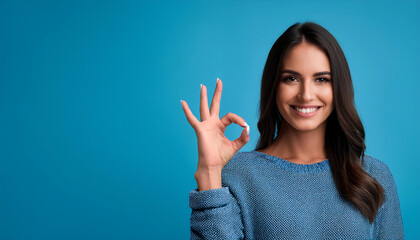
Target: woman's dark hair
[[345, 135]]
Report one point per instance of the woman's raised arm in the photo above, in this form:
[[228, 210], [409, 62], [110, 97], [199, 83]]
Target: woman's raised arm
[[215, 212]]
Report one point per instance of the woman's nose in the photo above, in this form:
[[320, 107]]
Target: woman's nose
[[306, 91]]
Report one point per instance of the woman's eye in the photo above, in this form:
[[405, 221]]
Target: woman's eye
[[322, 79], [289, 79]]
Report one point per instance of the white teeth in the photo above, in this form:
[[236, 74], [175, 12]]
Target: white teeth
[[306, 110]]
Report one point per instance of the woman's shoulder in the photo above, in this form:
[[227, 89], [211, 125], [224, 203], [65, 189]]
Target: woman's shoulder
[[242, 159], [378, 170], [244, 163], [242, 168], [373, 164]]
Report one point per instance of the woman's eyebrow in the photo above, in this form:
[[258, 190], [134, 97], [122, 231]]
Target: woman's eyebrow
[[298, 74]]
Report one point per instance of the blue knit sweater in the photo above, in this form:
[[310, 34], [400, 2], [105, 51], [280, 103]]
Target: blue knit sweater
[[266, 197]]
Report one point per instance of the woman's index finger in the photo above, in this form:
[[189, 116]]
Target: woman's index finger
[[215, 102]]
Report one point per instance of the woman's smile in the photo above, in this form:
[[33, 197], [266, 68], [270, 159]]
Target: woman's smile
[[305, 111]]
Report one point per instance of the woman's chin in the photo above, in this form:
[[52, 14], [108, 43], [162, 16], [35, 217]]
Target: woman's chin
[[306, 127]]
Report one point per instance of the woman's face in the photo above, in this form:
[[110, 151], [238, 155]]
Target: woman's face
[[305, 93]]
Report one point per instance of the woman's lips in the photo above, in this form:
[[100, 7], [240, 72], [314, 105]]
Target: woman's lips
[[306, 111]]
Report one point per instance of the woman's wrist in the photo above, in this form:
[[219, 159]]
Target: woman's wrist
[[208, 179]]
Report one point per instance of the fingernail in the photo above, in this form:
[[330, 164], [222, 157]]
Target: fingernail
[[201, 85], [247, 129], [217, 80], [181, 101]]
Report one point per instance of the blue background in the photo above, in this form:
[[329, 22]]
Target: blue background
[[94, 143]]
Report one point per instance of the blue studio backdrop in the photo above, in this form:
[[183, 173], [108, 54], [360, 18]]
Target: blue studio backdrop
[[94, 143]]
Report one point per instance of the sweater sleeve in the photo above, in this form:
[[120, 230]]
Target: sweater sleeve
[[388, 222], [215, 215]]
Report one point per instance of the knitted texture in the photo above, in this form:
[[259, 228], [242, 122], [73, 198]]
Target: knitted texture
[[266, 197]]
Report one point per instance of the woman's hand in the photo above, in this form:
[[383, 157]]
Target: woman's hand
[[214, 148]]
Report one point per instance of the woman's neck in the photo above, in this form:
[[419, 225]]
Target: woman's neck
[[300, 147]]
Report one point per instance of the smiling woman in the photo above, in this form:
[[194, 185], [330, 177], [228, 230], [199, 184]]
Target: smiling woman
[[305, 93], [308, 177]]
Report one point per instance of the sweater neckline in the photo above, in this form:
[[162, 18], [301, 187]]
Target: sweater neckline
[[304, 168]]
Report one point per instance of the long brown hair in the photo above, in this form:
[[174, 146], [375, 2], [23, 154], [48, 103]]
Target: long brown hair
[[345, 135]]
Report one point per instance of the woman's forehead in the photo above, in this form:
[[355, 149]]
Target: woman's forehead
[[306, 58]]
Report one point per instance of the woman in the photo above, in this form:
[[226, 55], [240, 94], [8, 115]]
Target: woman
[[308, 177]]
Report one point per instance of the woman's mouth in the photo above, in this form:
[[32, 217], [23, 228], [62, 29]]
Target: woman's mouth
[[305, 111]]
